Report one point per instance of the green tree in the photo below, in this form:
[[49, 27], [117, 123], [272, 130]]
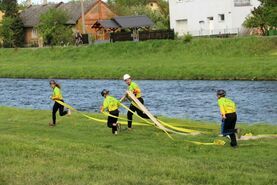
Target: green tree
[[138, 7], [53, 28], [263, 17], [128, 3], [1, 5], [12, 31], [6, 32], [160, 20], [10, 8]]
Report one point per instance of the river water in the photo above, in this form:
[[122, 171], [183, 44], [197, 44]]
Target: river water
[[256, 100]]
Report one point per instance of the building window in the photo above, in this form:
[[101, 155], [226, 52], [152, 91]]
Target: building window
[[179, 1], [34, 33], [242, 3], [210, 18], [221, 17], [201, 22]]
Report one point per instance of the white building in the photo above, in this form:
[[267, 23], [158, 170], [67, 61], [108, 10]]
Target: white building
[[209, 17]]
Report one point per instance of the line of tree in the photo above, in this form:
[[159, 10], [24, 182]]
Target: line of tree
[[139, 7], [11, 27], [263, 17]]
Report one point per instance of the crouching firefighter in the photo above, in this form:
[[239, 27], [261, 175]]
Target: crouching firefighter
[[229, 117], [111, 104]]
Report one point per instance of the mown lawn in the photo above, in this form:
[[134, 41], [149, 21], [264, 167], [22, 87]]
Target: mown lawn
[[249, 58], [81, 151]]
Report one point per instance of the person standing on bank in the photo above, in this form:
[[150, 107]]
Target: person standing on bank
[[57, 95], [111, 104], [135, 89], [229, 117]]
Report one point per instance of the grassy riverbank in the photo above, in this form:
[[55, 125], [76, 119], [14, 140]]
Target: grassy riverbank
[[81, 151], [237, 58]]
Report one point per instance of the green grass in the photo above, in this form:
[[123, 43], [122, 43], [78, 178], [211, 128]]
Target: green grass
[[234, 58], [80, 151]]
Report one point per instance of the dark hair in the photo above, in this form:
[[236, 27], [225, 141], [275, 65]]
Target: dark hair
[[55, 83], [221, 93], [105, 92]]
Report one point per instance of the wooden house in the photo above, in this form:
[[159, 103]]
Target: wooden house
[[94, 10]]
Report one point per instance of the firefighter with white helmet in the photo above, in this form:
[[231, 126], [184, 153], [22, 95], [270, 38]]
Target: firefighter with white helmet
[[135, 89]]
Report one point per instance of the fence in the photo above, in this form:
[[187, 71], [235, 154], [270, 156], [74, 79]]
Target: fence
[[216, 32], [121, 36], [142, 36], [242, 3], [158, 34]]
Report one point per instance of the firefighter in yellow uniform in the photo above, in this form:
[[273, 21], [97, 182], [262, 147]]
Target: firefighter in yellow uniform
[[111, 104], [57, 95], [229, 117], [135, 89]]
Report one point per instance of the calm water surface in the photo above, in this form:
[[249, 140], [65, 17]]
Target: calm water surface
[[256, 100]]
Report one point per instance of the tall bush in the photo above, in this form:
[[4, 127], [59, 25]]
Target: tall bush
[[11, 30], [139, 7], [263, 17], [53, 29]]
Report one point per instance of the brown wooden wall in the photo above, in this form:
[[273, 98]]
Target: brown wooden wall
[[99, 12], [30, 38]]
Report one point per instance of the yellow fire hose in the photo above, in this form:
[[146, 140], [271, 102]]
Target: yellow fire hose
[[135, 123], [124, 106], [250, 136], [90, 117], [216, 142], [193, 132]]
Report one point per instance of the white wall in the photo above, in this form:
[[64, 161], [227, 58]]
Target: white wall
[[199, 10], [240, 13]]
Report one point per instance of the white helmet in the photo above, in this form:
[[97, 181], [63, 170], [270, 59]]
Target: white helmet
[[126, 77]]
